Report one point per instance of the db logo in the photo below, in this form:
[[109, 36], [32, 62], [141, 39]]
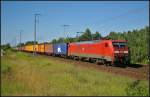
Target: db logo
[[58, 49], [82, 49]]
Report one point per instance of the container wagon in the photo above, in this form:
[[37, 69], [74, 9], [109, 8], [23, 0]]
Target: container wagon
[[48, 49], [60, 49], [41, 48], [36, 47], [29, 48]]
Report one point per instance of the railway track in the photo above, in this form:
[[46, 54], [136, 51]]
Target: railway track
[[135, 71]]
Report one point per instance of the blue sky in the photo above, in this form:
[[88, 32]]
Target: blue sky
[[97, 15]]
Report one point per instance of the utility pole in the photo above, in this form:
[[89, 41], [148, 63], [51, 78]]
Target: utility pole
[[20, 39], [91, 36], [16, 41], [34, 48], [65, 28]]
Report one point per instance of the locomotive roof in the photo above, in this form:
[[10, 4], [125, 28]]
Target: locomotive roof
[[94, 41], [119, 41]]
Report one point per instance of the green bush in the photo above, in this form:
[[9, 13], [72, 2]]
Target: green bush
[[5, 68], [6, 46], [136, 88]]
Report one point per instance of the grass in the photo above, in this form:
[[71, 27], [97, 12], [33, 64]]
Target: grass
[[5, 68], [41, 75]]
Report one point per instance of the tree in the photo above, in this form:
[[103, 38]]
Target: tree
[[54, 41], [113, 35], [5, 46], [96, 36], [86, 35], [30, 42], [60, 40], [22, 44], [69, 40]]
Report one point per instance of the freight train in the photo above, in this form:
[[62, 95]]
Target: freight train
[[108, 52]]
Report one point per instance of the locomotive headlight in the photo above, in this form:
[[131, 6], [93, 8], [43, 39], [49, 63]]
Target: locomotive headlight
[[116, 51], [125, 52]]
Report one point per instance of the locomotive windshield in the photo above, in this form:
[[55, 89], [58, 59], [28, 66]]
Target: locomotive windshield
[[119, 44]]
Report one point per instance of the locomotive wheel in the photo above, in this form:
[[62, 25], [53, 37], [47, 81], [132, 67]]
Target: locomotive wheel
[[91, 60], [77, 59], [104, 62], [100, 62], [74, 58], [108, 63], [82, 59]]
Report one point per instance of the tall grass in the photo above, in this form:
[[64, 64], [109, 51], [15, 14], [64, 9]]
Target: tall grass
[[39, 75], [136, 88], [5, 68]]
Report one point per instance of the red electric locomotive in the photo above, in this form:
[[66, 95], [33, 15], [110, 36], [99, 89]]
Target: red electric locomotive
[[103, 51]]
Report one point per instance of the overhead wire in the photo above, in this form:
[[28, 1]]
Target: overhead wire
[[105, 22], [129, 12]]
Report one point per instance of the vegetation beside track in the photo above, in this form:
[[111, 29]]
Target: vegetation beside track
[[25, 74]]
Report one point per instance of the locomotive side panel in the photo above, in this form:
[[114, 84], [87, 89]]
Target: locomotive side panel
[[102, 50]]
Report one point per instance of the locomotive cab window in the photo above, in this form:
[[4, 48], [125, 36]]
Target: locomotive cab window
[[119, 44]]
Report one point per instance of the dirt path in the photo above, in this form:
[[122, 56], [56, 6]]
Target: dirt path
[[135, 71]]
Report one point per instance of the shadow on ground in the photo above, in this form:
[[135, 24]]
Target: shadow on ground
[[129, 65], [135, 65]]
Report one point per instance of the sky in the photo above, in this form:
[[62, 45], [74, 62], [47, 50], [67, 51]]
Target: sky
[[102, 16]]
